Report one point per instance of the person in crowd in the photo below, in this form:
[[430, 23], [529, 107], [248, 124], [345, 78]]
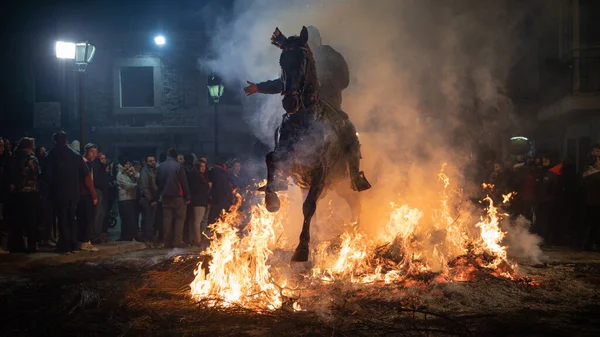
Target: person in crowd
[[46, 219], [4, 188], [87, 201], [181, 159], [188, 237], [127, 180], [161, 158], [148, 198], [139, 215], [200, 195], [174, 193], [64, 172], [24, 174], [101, 184], [594, 152], [500, 179], [234, 175], [591, 188], [75, 146], [550, 206], [221, 193]]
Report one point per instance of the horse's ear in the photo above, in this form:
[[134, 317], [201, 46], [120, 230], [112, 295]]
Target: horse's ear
[[278, 39], [304, 35]]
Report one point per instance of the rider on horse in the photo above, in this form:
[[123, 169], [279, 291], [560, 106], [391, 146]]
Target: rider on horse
[[333, 76]]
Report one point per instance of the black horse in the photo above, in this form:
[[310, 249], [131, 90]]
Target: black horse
[[309, 146]]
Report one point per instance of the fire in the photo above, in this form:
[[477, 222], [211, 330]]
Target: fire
[[443, 242]]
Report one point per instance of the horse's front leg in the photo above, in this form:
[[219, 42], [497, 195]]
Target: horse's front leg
[[272, 202], [308, 209]]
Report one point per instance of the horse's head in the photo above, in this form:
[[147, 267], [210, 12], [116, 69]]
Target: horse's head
[[298, 70]]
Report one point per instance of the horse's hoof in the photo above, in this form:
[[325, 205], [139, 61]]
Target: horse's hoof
[[272, 202], [300, 254]]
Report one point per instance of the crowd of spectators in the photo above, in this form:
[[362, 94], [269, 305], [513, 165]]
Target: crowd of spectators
[[69, 200]]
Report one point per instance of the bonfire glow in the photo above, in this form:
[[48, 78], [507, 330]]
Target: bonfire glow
[[412, 242]]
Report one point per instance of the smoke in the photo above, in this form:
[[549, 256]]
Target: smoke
[[521, 243], [427, 85]]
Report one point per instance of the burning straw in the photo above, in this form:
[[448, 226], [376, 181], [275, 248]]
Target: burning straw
[[415, 247]]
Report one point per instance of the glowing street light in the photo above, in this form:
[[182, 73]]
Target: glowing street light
[[82, 53], [65, 50], [215, 89], [160, 40]]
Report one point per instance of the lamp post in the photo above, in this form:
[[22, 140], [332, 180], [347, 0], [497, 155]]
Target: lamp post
[[82, 53], [215, 89]]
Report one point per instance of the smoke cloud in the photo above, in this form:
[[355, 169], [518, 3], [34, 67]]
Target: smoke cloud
[[427, 87]]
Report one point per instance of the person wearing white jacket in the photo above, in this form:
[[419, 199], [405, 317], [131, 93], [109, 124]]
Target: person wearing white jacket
[[127, 180]]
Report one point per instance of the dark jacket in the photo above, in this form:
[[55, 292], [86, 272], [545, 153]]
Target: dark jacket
[[101, 179], [333, 73], [172, 180], [147, 184], [4, 184], [199, 188], [24, 172], [236, 181], [591, 187], [551, 187], [64, 171], [221, 193], [86, 185]]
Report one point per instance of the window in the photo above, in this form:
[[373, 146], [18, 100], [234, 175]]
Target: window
[[137, 87]]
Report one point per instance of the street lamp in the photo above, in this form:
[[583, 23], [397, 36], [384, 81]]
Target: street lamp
[[160, 40], [82, 53], [215, 89]]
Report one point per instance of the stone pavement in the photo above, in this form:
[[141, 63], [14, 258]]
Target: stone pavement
[[46, 256]]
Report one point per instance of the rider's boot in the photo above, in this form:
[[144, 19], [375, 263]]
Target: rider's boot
[[358, 180]]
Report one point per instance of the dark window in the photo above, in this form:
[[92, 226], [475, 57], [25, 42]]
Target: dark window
[[137, 87]]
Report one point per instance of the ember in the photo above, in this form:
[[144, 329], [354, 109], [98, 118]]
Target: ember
[[413, 250]]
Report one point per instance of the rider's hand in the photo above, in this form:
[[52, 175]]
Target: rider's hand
[[95, 201], [251, 89]]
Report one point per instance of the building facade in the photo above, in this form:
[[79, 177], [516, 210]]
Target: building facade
[[143, 99], [569, 119]]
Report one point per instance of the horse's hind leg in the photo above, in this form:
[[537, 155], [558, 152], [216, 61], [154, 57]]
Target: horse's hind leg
[[353, 200], [308, 209]]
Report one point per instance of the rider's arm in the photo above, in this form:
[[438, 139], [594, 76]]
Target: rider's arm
[[270, 87]]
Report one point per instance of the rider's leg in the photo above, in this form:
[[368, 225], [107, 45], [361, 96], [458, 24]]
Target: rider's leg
[[353, 156]]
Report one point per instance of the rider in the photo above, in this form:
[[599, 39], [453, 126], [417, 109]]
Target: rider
[[334, 77]]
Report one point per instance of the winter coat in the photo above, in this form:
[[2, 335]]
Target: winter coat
[[199, 188], [221, 193], [127, 184], [551, 187], [4, 184], [591, 187], [101, 178], [148, 187], [171, 180], [64, 170], [24, 172]]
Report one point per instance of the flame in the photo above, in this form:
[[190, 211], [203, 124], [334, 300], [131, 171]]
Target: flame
[[444, 242]]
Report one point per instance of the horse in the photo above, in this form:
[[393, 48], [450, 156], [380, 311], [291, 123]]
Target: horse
[[309, 147]]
